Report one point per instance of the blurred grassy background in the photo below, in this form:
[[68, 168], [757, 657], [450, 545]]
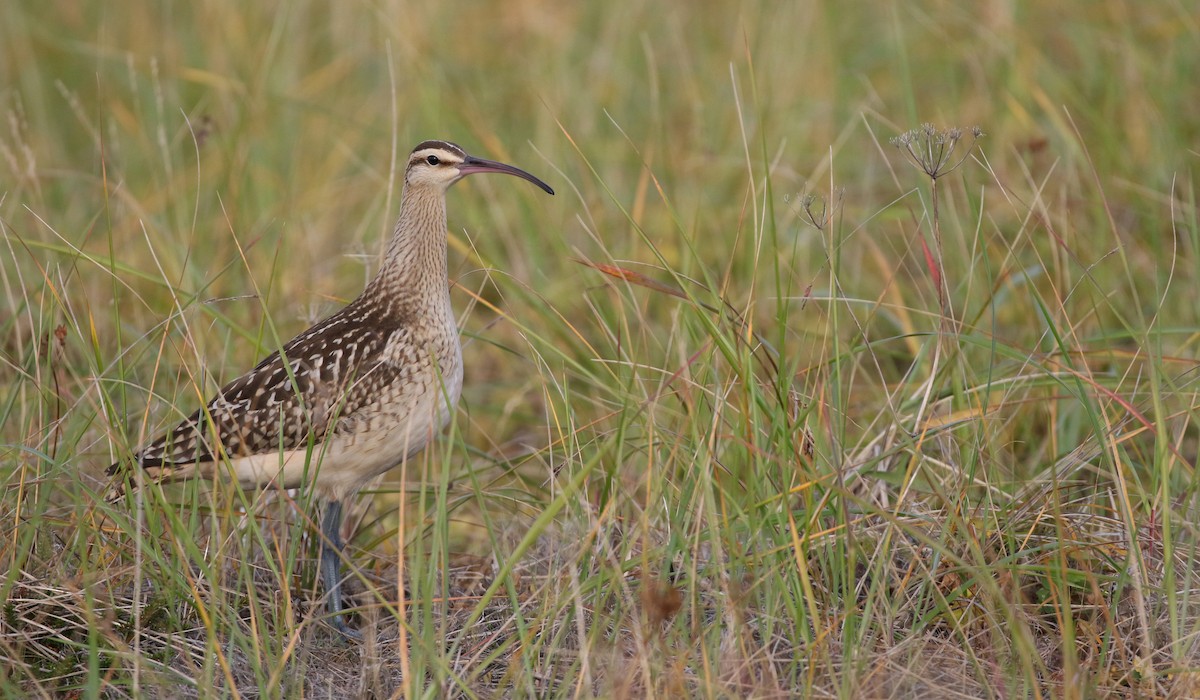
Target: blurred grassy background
[[1000, 495]]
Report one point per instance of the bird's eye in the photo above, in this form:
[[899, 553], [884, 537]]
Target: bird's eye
[[433, 160]]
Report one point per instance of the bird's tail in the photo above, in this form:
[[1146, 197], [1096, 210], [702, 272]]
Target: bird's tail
[[119, 483], [125, 481]]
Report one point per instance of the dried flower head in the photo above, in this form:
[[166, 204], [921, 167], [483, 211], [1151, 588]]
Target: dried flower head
[[932, 150], [814, 210]]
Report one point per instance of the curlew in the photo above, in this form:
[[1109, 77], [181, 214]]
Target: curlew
[[354, 395]]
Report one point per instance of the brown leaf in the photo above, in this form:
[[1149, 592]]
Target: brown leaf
[[633, 277]]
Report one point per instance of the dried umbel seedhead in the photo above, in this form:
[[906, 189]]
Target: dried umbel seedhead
[[932, 150]]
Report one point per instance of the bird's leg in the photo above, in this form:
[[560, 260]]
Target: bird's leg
[[331, 563]]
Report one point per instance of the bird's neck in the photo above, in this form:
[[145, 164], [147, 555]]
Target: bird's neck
[[413, 276]]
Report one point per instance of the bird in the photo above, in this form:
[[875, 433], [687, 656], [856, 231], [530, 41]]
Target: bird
[[351, 397]]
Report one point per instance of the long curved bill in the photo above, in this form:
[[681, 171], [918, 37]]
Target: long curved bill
[[480, 165]]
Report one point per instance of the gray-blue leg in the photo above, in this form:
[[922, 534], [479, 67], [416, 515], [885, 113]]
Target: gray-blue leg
[[331, 564]]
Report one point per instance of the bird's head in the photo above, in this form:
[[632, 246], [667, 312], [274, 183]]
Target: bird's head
[[440, 164]]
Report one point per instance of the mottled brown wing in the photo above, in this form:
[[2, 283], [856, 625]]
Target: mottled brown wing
[[266, 410]]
